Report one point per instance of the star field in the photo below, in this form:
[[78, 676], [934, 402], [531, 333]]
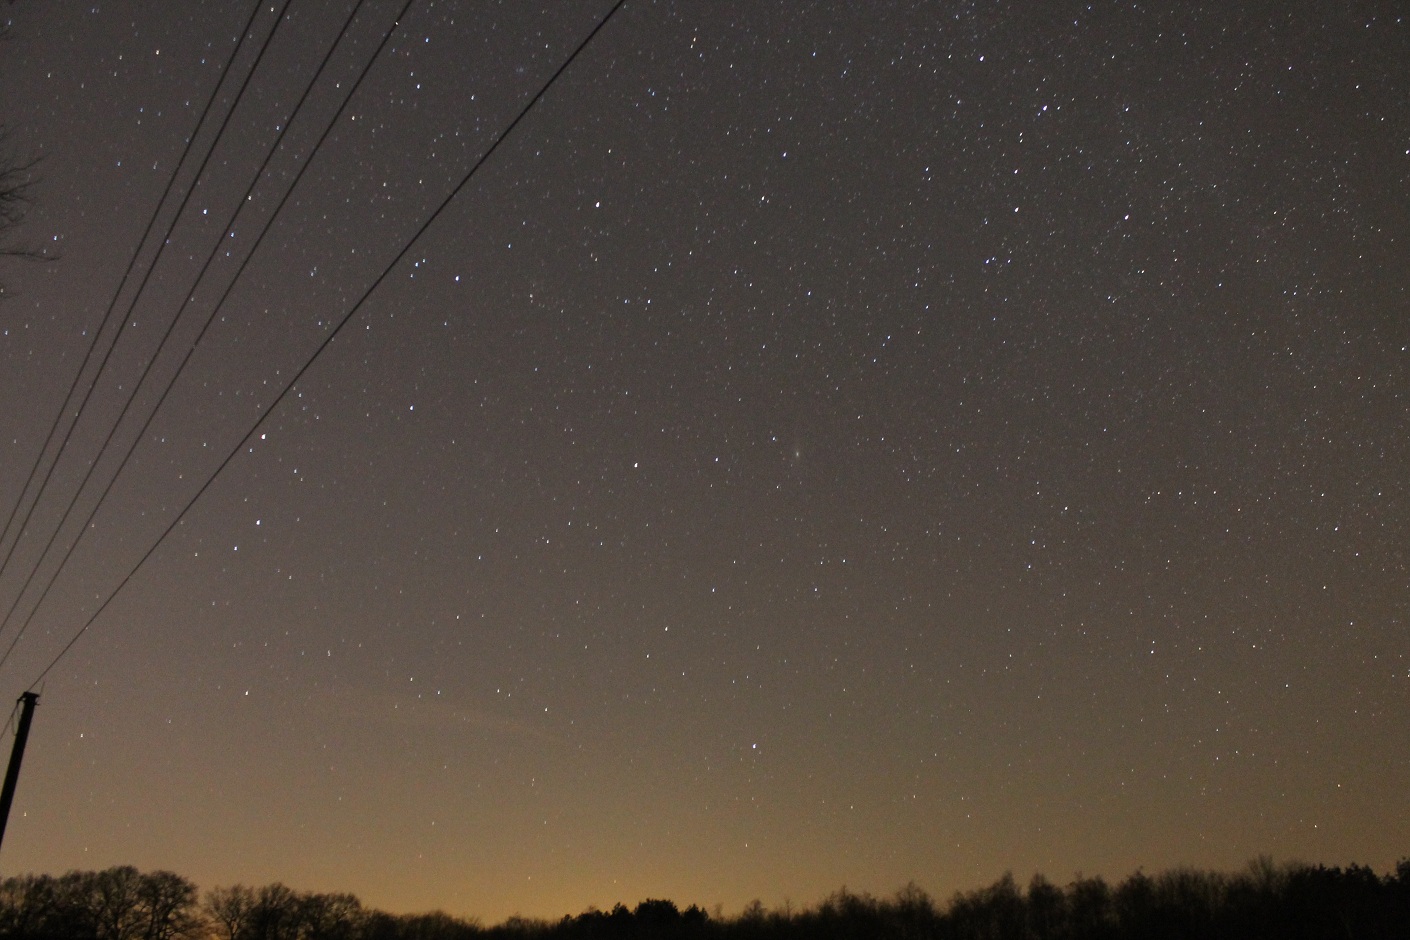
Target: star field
[[825, 444]]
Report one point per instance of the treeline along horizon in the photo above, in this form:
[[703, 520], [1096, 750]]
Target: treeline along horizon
[[1294, 901]]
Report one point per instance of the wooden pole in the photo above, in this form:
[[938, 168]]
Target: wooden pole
[[27, 702]]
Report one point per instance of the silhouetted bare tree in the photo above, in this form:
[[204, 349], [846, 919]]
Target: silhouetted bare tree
[[230, 910], [116, 904], [168, 906], [16, 179]]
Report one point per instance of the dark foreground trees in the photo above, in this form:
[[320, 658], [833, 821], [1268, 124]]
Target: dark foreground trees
[[117, 904], [1291, 902]]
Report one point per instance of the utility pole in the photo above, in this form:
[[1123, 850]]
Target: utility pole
[[27, 701]]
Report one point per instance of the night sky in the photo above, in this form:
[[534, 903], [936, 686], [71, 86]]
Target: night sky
[[826, 444]]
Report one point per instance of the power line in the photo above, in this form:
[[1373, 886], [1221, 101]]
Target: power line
[[346, 318], [215, 250], [117, 335], [108, 315]]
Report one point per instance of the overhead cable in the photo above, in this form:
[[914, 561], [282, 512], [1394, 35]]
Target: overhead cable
[[117, 334], [171, 326], [337, 329], [108, 315]]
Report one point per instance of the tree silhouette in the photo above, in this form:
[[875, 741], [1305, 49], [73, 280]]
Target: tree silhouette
[[230, 910], [1090, 911], [16, 180], [1263, 902], [116, 904], [167, 903]]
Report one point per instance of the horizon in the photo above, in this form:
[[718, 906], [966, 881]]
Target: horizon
[[1262, 870]]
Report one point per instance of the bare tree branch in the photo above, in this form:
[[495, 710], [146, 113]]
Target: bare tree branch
[[17, 179]]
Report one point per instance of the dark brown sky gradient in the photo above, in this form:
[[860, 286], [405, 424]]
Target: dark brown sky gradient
[[827, 444]]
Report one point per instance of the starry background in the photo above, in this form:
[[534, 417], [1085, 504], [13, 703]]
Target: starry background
[[828, 443]]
